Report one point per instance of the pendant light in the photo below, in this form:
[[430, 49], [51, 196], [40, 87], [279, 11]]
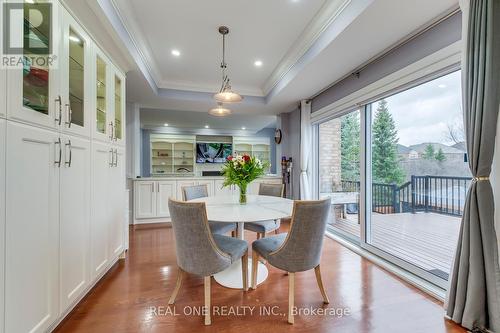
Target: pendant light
[[219, 111], [225, 94]]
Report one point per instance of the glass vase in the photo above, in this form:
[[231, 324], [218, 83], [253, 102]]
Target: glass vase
[[243, 194]]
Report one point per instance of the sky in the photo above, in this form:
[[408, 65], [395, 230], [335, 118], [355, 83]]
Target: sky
[[423, 113]]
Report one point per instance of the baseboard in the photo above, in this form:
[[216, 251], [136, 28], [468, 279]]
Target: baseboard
[[424, 285], [154, 220]]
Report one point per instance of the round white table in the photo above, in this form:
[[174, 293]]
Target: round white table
[[258, 208]]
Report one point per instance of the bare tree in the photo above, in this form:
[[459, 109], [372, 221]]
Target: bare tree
[[455, 132]]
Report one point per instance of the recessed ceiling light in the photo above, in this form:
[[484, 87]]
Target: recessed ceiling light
[[442, 86], [165, 124], [243, 128], [175, 53], [206, 126], [258, 63]]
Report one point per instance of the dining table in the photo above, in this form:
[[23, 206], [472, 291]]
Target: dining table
[[258, 208]]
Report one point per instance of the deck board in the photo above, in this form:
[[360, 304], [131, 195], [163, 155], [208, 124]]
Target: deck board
[[427, 240]]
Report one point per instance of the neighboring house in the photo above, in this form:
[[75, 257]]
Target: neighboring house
[[406, 153]]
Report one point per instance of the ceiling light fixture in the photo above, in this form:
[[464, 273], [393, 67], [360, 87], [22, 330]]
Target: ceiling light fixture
[[206, 126], [442, 86], [220, 111], [175, 53], [165, 124], [258, 63], [226, 94], [243, 128]]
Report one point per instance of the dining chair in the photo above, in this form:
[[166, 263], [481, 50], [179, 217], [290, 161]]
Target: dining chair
[[201, 191], [199, 251], [263, 227], [298, 250]]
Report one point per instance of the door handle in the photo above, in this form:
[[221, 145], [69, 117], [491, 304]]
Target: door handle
[[59, 101], [58, 162], [68, 163], [70, 115]]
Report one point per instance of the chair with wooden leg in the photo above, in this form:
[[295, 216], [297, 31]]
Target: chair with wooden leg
[[201, 191], [264, 227], [199, 251], [298, 250]]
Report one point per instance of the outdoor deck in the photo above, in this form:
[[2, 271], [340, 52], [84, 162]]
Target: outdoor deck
[[427, 240]]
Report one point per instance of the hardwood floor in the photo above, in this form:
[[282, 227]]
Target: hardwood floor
[[133, 297]]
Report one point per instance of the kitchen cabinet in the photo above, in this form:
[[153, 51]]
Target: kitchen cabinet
[[259, 147], [164, 191], [116, 195], [145, 199], [172, 154], [32, 228], [184, 183], [220, 190], [103, 121], [209, 184], [33, 94], [74, 218], [118, 108], [76, 72], [2, 218]]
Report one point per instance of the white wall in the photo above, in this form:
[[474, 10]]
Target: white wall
[[495, 182]]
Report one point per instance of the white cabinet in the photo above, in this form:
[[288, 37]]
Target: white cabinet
[[75, 67], [116, 195], [220, 190], [2, 218], [118, 84], [145, 199], [102, 115], [33, 89], [32, 228], [102, 155], [164, 191], [209, 184], [184, 183], [172, 154], [74, 219]]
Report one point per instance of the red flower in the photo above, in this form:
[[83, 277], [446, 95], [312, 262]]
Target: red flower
[[229, 158], [246, 158]]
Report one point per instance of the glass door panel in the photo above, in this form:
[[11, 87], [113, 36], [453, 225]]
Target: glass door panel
[[76, 78], [35, 73], [419, 175], [101, 96], [339, 171], [118, 108]]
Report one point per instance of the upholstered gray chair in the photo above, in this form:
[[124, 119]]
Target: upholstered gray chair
[[263, 227], [298, 250], [199, 251], [201, 191]]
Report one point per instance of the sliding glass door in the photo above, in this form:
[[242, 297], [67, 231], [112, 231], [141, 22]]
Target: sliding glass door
[[404, 156]]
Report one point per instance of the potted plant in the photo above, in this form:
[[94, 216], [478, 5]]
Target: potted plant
[[241, 170]]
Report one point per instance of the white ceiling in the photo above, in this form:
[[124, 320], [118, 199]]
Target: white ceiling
[[305, 45]]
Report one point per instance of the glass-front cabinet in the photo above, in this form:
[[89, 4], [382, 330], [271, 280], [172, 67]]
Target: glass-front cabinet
[[172, 154], [259, 147], [33, 85], [101, 102], [75, 81], [119, 107]]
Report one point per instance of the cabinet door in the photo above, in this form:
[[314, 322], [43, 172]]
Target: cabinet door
[[164, 191], [75, 77], [118, 108], [3, 100], [99, 221], [145, 199], [116, 205], [2, 218], [32, 229], [74, 219], [32, 89], [181, 184], [209, 184], [219, 190], [103, 123]]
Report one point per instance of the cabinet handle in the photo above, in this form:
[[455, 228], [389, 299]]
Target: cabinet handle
[[112, 134], [116, 157], [58, 162], [59, 101], [158, 187], [152, 187], [70, 115], [68, 163], [112, 163]]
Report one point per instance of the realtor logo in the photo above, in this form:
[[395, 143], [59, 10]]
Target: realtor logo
[[26, 36]]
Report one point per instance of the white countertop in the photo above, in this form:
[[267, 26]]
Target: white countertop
[[180, 177]]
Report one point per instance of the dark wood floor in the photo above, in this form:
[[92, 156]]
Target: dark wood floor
[[377, 301]]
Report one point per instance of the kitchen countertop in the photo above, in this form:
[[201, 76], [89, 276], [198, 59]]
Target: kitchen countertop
[[179, 177]]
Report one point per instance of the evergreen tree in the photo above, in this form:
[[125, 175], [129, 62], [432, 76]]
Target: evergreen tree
[[350, 146], [440, 157], [386, 168], [429, 152]]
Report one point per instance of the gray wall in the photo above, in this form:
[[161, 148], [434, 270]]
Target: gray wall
[[290, 128], [146, 149], [443, 34]]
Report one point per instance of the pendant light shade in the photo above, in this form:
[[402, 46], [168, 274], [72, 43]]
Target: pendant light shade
[[228, 96], [220, 111]]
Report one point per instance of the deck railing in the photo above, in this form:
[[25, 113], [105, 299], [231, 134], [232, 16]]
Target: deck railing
[[438, 194]]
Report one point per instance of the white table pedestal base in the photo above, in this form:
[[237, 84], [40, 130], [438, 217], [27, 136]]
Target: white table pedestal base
[[231, 277]]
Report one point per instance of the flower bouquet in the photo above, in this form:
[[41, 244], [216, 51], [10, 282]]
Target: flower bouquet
[[241, 170]]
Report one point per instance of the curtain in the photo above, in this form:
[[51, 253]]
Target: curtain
[[473, 296], [305, 149]]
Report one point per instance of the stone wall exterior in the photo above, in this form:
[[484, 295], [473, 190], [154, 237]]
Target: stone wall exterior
[[330, 156]]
